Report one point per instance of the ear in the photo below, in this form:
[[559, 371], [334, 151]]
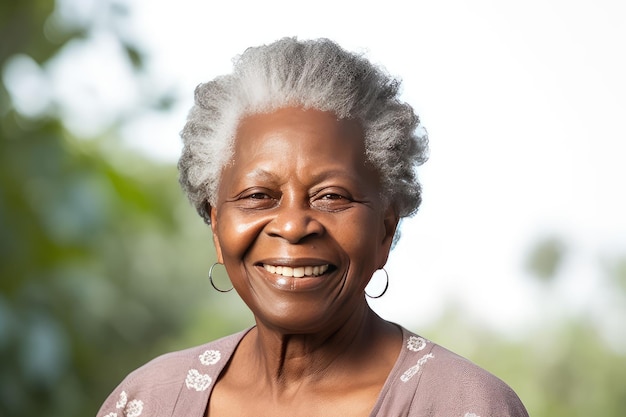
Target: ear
[[216, 237], [390, 224]]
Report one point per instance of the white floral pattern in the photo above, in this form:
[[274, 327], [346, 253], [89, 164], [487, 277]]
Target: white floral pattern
[[134, 408], [197, 381], [413, 370], [416, 343], [210, 357], [121, 403], [129, 408]]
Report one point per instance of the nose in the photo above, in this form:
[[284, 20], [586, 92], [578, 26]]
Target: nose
[[295, 223]]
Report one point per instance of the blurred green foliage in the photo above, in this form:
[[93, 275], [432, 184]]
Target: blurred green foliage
[[103, 265], [546, 257], [558, 370], [102, 260]]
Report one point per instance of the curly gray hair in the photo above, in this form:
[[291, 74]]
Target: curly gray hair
[[316, 74]]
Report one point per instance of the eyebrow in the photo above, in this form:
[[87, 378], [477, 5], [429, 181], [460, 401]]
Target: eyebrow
[[261, 174]]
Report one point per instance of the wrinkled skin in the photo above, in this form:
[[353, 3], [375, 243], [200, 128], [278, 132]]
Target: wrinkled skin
[[299, 196]]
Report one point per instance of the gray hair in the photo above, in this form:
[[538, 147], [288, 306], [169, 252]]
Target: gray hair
[[313, 74]]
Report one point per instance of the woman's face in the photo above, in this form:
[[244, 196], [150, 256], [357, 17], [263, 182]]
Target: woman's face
[[299, 221]]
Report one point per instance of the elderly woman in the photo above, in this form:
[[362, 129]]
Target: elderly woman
[[303, 161]]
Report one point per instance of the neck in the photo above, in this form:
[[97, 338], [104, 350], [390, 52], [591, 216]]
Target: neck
[[285, 358]]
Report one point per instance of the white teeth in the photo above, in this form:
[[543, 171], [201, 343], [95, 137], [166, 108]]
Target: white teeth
[[298, 272]]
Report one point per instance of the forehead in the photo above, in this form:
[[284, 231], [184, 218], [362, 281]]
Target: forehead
[[305, 133]]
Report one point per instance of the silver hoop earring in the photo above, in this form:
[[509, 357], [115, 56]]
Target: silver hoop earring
[[386, 285], [211, 279]]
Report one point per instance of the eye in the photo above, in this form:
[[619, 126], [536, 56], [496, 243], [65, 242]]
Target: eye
[[332, 196], [332, 200], [258, 196], [257, 199]]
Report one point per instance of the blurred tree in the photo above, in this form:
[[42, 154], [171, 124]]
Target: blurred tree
[[101, 257], [546, 258], [564, 366]]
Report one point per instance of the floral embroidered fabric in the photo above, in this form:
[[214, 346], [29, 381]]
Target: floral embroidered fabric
[[427, 380]]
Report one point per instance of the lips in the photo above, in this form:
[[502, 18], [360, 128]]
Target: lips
[[297, 272]]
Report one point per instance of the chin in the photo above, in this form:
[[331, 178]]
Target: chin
[[300, 320]]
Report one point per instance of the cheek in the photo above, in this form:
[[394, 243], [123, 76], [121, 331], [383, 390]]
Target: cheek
[[237, 234], [361, 238]]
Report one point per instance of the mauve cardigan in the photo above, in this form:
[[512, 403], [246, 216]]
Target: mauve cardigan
[[426, 381]]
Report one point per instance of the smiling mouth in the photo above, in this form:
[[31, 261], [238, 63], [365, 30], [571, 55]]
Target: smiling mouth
[[297, 272]]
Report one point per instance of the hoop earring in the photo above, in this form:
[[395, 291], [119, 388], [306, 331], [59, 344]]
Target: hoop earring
[[211, 279], [386, 285]]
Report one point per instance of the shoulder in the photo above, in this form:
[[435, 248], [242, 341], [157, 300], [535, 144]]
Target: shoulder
[[449, 384], [163, 370], [472, 386], [154, 388]]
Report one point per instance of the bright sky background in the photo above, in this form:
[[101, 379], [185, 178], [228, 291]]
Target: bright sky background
[[524, 102]]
